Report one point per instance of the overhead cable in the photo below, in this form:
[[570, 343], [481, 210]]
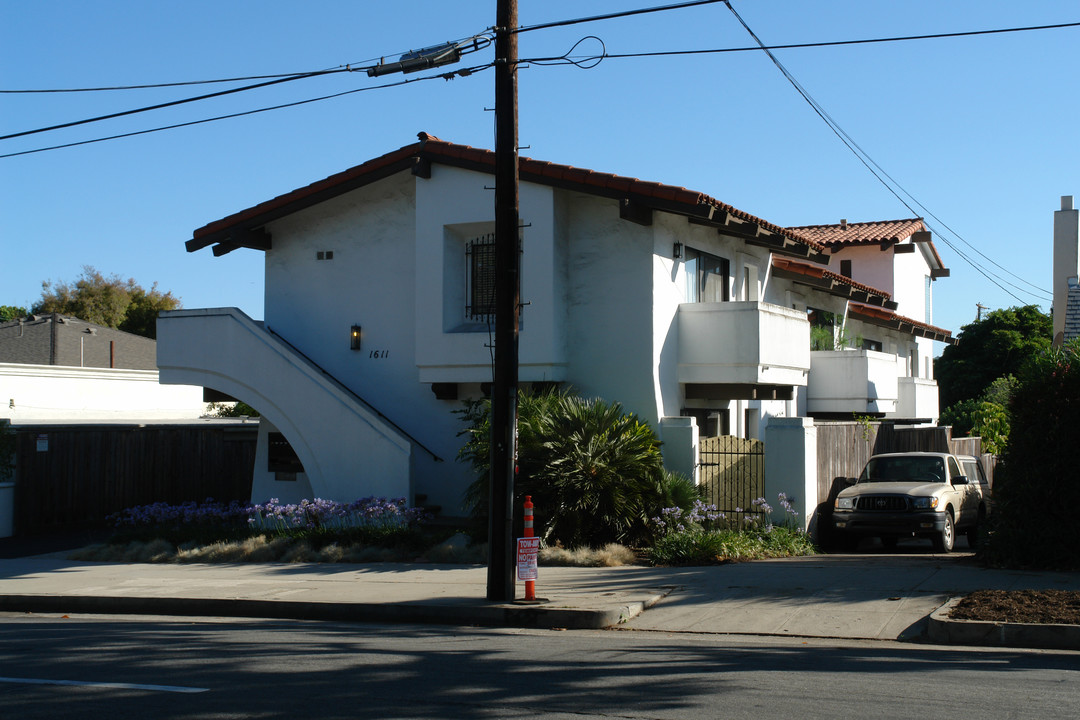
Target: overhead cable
[[611, 16], [463, 72], [171, 103], [875, 169]]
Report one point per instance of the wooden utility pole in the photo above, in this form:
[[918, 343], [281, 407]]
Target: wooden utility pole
[[500, 578]]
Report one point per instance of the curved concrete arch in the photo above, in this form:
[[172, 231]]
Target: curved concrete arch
[[347, 449]]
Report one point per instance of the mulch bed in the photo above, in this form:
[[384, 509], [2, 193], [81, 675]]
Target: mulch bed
[[1053, 607]]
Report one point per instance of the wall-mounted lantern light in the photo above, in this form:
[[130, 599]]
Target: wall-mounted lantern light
[[354, 338], [676, 251]]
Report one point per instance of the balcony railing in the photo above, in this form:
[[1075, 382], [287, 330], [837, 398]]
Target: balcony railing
[[918, 399], [853, 381], [743, 343]]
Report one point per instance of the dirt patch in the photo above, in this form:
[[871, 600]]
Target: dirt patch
[[1053, 607]]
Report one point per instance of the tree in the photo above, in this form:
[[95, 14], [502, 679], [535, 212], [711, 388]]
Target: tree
[[986, 416], [11, 312], [109, 301], [988, 349], [1035, 488]]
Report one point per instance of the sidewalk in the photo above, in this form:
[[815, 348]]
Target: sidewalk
[[882, 597]]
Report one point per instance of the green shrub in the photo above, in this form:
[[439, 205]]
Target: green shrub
[[960, 416], [1035, 488], [991, 422], [695, 547], [594, 472]]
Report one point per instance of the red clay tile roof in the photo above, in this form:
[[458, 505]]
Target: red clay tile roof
[[829, 279], [888, 318], [432, 149], [866, 233]]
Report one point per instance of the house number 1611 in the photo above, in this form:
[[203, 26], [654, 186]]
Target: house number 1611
[[379, 354]]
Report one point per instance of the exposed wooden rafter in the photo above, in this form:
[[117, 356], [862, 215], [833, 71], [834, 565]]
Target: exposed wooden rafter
[[635, 211], [254, 238]]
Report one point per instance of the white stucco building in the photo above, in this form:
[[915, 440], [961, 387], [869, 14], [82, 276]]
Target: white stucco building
[[691, 313]]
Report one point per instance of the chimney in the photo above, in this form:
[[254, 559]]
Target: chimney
[[1066, 258], [843, 224]]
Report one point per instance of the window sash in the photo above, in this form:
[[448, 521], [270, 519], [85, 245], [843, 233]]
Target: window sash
[[708, 277]]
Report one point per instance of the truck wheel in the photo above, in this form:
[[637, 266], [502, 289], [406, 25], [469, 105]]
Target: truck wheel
[[943, 543]]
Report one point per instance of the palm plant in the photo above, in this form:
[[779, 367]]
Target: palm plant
[[594, 471]]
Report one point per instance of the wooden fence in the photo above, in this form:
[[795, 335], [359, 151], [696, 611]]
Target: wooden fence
[[844, 447], [69, 477]]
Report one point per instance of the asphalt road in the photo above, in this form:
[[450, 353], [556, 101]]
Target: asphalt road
[[127, 667]]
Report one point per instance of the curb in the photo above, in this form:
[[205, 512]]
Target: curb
[[495, 615], [947, 631]]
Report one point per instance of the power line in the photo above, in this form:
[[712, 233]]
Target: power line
[[833, 43], [612, 16], [875, 169], [482, 41], [475, 39], [155, 85], [444, 76], [171, 103]]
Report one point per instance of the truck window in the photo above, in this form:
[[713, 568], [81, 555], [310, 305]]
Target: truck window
[[904, 469], [974, 472]]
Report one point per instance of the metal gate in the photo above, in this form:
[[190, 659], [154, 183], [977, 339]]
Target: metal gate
[[731, 473]]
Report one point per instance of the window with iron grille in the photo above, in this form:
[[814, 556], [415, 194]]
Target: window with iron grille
[[480, 278]]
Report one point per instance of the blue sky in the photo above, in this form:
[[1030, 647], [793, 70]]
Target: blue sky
[[980, 130]]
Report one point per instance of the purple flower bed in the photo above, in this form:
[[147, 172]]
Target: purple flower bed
[[370, 513]]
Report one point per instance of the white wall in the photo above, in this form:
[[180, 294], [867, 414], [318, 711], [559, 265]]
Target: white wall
[[610, 313], [869, 266], [791, 467], [50, 392], [346, 448], [453, 207], [911, 272]]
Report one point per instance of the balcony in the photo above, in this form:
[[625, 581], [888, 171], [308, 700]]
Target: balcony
[[918, 399], [743, 343], [843, 382]]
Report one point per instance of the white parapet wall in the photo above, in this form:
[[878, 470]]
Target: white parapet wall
[[791, 467], [36, 393], [680, 438]]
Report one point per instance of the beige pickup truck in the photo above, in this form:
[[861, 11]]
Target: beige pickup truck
[[914, 494]]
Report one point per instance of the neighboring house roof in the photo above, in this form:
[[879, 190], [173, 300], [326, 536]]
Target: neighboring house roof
[[866, 233], [637, 199], [56, 339], [882, 232], [883, 317], [834, 283]]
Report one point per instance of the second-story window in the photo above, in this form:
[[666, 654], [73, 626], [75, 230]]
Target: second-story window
[[708, 277], [480, 278]]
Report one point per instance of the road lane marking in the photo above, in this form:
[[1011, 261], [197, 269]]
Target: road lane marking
[[115, 686]]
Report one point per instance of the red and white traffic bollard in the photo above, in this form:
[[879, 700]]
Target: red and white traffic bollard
[[530, 585]]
